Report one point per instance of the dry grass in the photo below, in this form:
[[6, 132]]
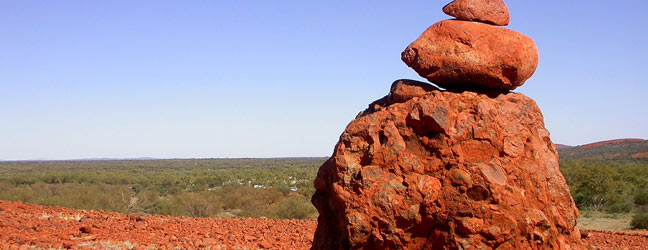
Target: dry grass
[[592, 220]]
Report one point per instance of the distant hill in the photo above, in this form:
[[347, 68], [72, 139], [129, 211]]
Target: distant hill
[[563, 146], [616, 141], [619, 149]]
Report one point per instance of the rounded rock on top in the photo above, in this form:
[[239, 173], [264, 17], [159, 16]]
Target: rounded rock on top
[[486, 11], [458, 54]]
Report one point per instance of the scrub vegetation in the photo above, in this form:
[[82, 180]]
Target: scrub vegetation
[[606, 181], [610, 179], [271, 188]]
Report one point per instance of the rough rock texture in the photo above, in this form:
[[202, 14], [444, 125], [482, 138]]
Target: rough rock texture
[[486, 11], [462, 54], [430, 169]]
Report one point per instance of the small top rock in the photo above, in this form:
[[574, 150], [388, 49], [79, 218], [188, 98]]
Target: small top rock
[[485, 11], [403, 90]]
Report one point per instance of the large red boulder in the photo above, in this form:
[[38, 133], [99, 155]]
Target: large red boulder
[[429, 169], [486, 11], [463, 54]]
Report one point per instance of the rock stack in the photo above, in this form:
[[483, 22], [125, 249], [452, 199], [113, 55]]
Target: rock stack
[[465, 54], [469, 167]]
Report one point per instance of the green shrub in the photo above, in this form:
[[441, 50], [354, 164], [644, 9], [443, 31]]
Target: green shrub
[[283, 188], [20, 193], [641, 199], [203, 204], [234, 197], [639, 221], [619, 207], [295, 208], [165, 207], [22, 179], [307, 189], [145, 201]]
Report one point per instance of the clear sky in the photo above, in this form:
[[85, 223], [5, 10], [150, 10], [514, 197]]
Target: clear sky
[[180, 79]]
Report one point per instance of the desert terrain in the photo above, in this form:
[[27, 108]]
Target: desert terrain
[[25, 226]]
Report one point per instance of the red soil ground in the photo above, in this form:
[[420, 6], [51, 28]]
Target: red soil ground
[[640, 155], [24, 226]]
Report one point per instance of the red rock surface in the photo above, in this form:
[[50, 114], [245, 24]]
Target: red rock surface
[[25, 226], [30, 226], [461, 54], [445, 170], [486, 11], [603, 143]]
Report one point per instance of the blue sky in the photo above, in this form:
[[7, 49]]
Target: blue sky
[[170, 79]]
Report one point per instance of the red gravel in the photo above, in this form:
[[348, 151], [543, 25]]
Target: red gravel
[[23, 225], [616, 239], [28, 226]]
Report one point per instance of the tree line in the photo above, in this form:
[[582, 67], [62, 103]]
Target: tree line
[[226, 187], [611, 186], [199, 188]]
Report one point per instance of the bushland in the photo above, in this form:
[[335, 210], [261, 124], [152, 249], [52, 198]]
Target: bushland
[[270, 188], [608, 186]]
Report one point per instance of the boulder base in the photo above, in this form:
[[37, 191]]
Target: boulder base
[[430, 169], [464, 54]]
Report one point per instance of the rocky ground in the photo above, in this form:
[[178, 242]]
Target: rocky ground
[[24, 226]]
